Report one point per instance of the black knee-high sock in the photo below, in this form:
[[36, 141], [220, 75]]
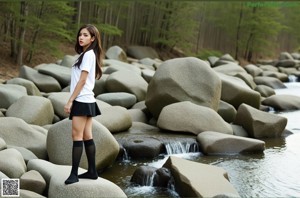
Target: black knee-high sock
[[90, 150], [76, 156]]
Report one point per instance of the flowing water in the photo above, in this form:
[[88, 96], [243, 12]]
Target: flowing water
[[274, 173]]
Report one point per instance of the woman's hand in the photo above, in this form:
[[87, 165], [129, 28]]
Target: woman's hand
[[67, 107]]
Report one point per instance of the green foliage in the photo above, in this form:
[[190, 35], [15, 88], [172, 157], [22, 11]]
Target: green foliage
[[109, 29], [205, 53]]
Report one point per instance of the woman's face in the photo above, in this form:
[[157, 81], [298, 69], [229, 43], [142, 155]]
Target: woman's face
[[85, 39]]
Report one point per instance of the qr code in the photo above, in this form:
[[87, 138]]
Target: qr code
[[10, 187]]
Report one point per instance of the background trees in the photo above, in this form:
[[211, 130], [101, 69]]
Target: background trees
[[247, 30]]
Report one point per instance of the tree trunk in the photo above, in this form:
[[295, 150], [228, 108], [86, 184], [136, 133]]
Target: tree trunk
[[79, 6], [23, 15], [250, 38], [238, 32]]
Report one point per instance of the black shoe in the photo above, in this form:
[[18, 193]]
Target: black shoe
[[71, 179], [88, 175]]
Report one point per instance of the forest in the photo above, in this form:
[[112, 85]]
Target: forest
[[246, 30]]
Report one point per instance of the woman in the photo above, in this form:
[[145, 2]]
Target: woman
[[82, 104]]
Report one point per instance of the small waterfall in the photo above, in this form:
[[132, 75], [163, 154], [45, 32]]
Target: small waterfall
[[125, 156], [148, 180], [179, 147], [293, 78]]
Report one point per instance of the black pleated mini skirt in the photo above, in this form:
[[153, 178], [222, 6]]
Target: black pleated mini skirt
[[84, 109]]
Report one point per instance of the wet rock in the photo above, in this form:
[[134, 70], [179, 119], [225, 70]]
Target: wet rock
[[214, 143], [60, 139], [12, 163], [283, 102], [141, 147], [183, 79], [196, 119], [115, 119], [10, 93], [33, 110], [55, 175], [31, 88], [260, 124], [194, 179]]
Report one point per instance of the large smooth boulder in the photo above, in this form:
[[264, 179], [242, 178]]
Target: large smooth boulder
[[10, 93], [283, 102], [272, 82], [44, 82], [189, 117], [33, 110], [230, 69], [235, 92], [112, 66], [140, 52], [260, 124], [33, 181], [17, 132], [12, 163], [69, 60], [60, 139], [55, 175], [281, 76], [122, 99], [253, 70], [194, 179], [60, 73], [127, 81], [265, 91], [214, 143], [59, 100], [31, 88], [115, 119], [227, 111], [2, 144], [117, 53], [183, 79]]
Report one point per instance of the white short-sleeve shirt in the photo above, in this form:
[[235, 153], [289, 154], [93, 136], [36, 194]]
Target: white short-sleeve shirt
[[88, 64]]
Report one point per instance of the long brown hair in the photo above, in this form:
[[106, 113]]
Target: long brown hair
[[95, 45]]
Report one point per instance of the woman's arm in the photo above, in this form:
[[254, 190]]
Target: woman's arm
[[77, 90]]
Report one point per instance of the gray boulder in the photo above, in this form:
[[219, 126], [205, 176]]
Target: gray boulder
[[12, 163], [253, 70], [148, 74], [285, 56], [27, 154], [44, 82], [140, 52], [69, 60], [31, 88], [269, 68], [122, 99], [2, 144], [59, 100], [117, 53], [126, 81], [60, 139], [214, 143], [183, 79], [33, 110], [29, 194], [260, 124], [10, 93], [247, 78], [60, 73], [281, 76], [112, 66], [194, 179], [283, 102], [235, 92], [265, 91], [33, 181], [272, 82], [55, 175], [137, 115], [115, 119], [230, 69], [196, 119], [227, 111], [17, 132]]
